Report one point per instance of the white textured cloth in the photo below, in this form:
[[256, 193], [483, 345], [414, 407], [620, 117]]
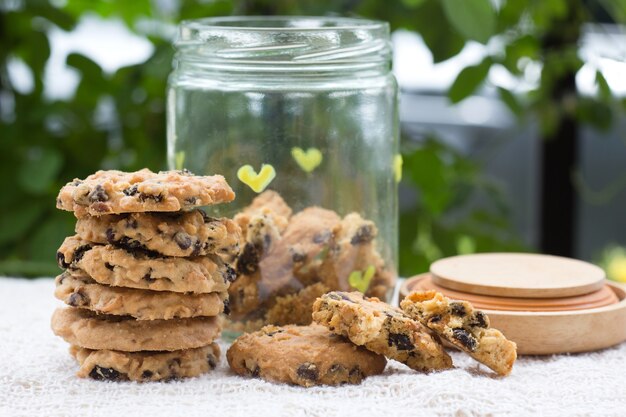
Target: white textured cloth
[[37, 379]]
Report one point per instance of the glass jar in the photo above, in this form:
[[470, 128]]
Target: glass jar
[[300, 115]]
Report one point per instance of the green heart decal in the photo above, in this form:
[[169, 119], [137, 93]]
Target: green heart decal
[[361, 281], [397, 167], [308, 160], [258, 182]]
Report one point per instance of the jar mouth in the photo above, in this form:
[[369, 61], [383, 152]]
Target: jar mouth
[[282, 23], [283, 43]]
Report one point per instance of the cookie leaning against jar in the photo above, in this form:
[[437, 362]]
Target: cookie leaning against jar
[[464, 327], [380, 328], [302, 355]]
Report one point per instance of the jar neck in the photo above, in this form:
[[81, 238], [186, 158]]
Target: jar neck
[[289, 46]]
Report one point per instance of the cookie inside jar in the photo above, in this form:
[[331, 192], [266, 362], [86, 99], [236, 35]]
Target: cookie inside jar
[[290, 258]]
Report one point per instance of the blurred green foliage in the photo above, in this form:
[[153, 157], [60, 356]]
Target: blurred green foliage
[[45, 143]]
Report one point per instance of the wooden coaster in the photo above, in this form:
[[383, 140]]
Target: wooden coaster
[[517, 275]]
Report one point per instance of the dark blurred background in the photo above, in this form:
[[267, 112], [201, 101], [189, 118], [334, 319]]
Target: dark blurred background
[[512, 112]]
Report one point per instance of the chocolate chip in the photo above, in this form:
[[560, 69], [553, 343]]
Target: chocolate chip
[[130, 191], [109, 266], [344, 296], [227, 306], [183, 240], [248, 261], [270, 334], [297, 256], [110, 235], [148, 278], [322, 237], [338, 296], [135, 248], [197, 247], [457, 309], [131, 223], [79, 252], [229, 273], [211, 361], [98, 194], [363, 234], [465, 339], [61, 261], [206, 217], [435, 319], [255, 372], [400, 341], [479, 319], [356, 373], [104, 374], [336, 368], [308, 371], [174, 364], [146, 374], [156, 198], [191, 200], [78, 299]]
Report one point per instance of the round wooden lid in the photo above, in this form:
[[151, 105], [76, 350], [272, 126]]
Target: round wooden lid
[[517, 275], [603, 297]]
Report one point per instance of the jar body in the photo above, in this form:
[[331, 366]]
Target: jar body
[[320, 189]]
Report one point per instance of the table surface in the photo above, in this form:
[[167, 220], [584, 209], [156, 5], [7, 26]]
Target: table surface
[[37, 379]]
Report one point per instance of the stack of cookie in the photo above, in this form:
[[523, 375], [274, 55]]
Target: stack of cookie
[[146, 275]]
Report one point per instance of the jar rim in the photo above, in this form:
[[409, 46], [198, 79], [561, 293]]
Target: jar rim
[[283, 23]]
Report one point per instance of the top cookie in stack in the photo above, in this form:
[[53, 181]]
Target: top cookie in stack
[[146, 273]]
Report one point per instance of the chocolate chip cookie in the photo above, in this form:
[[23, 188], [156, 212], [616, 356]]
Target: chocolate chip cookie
[[302, 355], [185, 234], [144, 270], [87, 329], [295, 308], [270, 204], [112, 365], [353, 249], [381, 328], [77, 289], [464, 327], [110, 192]]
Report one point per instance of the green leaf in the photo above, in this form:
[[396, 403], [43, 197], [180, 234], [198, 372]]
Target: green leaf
[[30, 268], [39, 169], [603, 87], [511, 101], [88, 68], [411, 4], [442, 42], [426, 169], [616, 9], [17, 222], [474, 19], [468, 80], [49, 235]]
